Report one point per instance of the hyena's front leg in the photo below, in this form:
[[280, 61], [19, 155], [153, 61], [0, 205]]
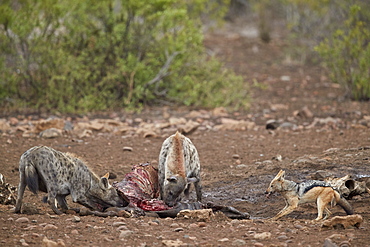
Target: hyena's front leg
[[61, 199], [52, 197], [198, 190]]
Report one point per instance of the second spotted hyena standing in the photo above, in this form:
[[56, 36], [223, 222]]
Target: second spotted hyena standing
[[60, 174], [178, 167]]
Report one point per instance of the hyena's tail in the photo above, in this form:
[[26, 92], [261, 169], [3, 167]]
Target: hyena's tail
[[343, 203], [32, 177]]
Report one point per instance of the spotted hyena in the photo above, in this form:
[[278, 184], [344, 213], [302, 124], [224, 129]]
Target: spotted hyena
[[60, 174], [178, 167]]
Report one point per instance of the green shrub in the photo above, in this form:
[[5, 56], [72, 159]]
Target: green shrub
[[77, 56], [347, 55]]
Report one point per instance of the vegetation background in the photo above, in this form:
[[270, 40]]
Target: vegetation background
[[79, 56]]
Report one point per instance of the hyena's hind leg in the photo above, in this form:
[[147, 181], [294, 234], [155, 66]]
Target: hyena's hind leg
[[198, 190], [21, 189]]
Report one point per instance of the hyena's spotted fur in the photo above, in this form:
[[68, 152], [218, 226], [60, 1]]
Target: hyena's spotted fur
[[60, 174], [178, 167]]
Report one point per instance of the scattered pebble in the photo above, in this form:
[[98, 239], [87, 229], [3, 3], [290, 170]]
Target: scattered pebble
[[118, 223], [22, 220], [50, 227], [223, 240], [125, 234], [263, 235], [238, 242]]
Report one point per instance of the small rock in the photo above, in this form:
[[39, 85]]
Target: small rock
[[220, 112], [129, 149], [50, 227], [272, 124], [76, 219], [174, 225], [22, 220], [239, 242], [122, 228], [236, 156], [343, 221], [305, 112], [282, 237], [118, 223], [199, 215], [223, 240], [74, 232], [263, 235], [153, 223], [124, 213], [13, 121], [50, 133], [125, 234], [49, 243], [258, 245], [329, 243], [202, 224], [298, 226], [172, 243], [337, 236], [179, 229]]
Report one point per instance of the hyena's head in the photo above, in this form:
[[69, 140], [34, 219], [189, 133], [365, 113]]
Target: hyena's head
[[107, 196], [276, 184], [172, 189]]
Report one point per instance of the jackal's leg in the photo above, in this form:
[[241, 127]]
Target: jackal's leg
[[327, 213], [321, 206], [21, 188], [290, 206]]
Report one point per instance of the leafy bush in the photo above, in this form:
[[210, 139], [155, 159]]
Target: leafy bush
[[347, 55], [95, 55]]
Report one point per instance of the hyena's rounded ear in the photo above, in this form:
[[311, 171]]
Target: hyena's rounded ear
[[104, 181]]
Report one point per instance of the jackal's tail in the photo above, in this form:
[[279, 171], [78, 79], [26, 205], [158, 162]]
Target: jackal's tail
[[31, 175], [343, 203]]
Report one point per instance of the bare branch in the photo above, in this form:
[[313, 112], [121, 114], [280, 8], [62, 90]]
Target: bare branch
[[163, 72]]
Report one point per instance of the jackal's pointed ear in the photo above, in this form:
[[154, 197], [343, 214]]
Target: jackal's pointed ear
[[104, 181], [280, 175]]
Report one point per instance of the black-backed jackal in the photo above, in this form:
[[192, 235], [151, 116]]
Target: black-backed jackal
[[309, 191]]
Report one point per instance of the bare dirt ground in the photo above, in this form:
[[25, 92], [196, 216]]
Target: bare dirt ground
[[237, 165]]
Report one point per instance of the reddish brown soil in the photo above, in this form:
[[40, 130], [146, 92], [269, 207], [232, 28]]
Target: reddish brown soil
[[225, 179]]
